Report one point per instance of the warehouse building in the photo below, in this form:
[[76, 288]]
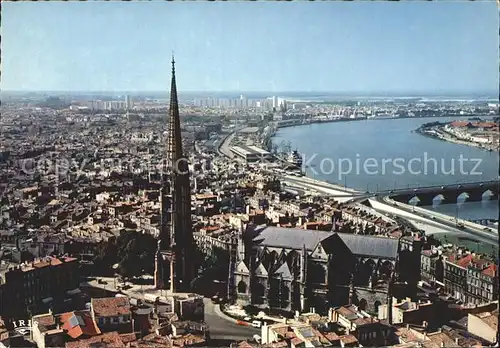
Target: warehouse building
[[251, 153]]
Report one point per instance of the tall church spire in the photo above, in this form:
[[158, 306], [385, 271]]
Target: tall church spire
[[174, 148], [176, 235]]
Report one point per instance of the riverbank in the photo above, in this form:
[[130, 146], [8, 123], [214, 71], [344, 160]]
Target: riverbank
[[302, 122], [432, 132], [267, 140]]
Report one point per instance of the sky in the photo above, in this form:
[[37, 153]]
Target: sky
[[360, 47]]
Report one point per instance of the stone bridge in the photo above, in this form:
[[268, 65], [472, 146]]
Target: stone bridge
[[470, 192]]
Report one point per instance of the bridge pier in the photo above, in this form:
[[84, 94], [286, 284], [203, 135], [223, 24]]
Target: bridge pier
[[475, 196], [403, 198], [449, 197], [426, 198]]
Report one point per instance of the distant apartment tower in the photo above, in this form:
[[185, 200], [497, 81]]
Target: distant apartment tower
[[275, 102], [128, 102]]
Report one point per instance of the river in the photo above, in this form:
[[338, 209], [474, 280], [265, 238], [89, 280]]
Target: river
[[385, 154]]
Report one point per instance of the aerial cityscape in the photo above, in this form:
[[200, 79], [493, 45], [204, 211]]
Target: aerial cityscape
[[220, 174]]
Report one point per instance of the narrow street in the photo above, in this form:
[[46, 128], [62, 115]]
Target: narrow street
[[223, 329]]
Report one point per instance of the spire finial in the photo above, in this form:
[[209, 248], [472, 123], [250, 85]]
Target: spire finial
[[173, 61]]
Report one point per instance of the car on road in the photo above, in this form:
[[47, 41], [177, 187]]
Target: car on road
[[101, 281], [216, 299], [256, 323]]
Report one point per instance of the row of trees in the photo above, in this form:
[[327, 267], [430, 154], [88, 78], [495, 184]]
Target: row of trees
[[133, 252], [212, 267]]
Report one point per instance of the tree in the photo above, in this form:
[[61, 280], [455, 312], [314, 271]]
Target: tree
[[214, 266], [134, 253], [129, 267], [105, 257]]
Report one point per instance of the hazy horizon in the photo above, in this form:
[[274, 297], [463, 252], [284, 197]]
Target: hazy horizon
[[350, 48], [398, 94]]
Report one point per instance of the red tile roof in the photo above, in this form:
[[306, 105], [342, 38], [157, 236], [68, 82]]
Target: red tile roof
[[362, 321], [128, 337], [490, 271], [153, 340], [464, 261], [110, 306], [51, 261], [332, 337], [348, 339], [484, 124], [45, 320], [89, 327], [459, 123], [188, 339], [245, 344], [296, 341], [345, 311], [109, 339]]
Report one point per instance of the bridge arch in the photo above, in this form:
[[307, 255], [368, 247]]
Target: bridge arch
[[487, 195], [462, 197], [414, 200], [438, 199]]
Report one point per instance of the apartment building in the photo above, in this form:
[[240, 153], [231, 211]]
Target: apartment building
[[34, 287]]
